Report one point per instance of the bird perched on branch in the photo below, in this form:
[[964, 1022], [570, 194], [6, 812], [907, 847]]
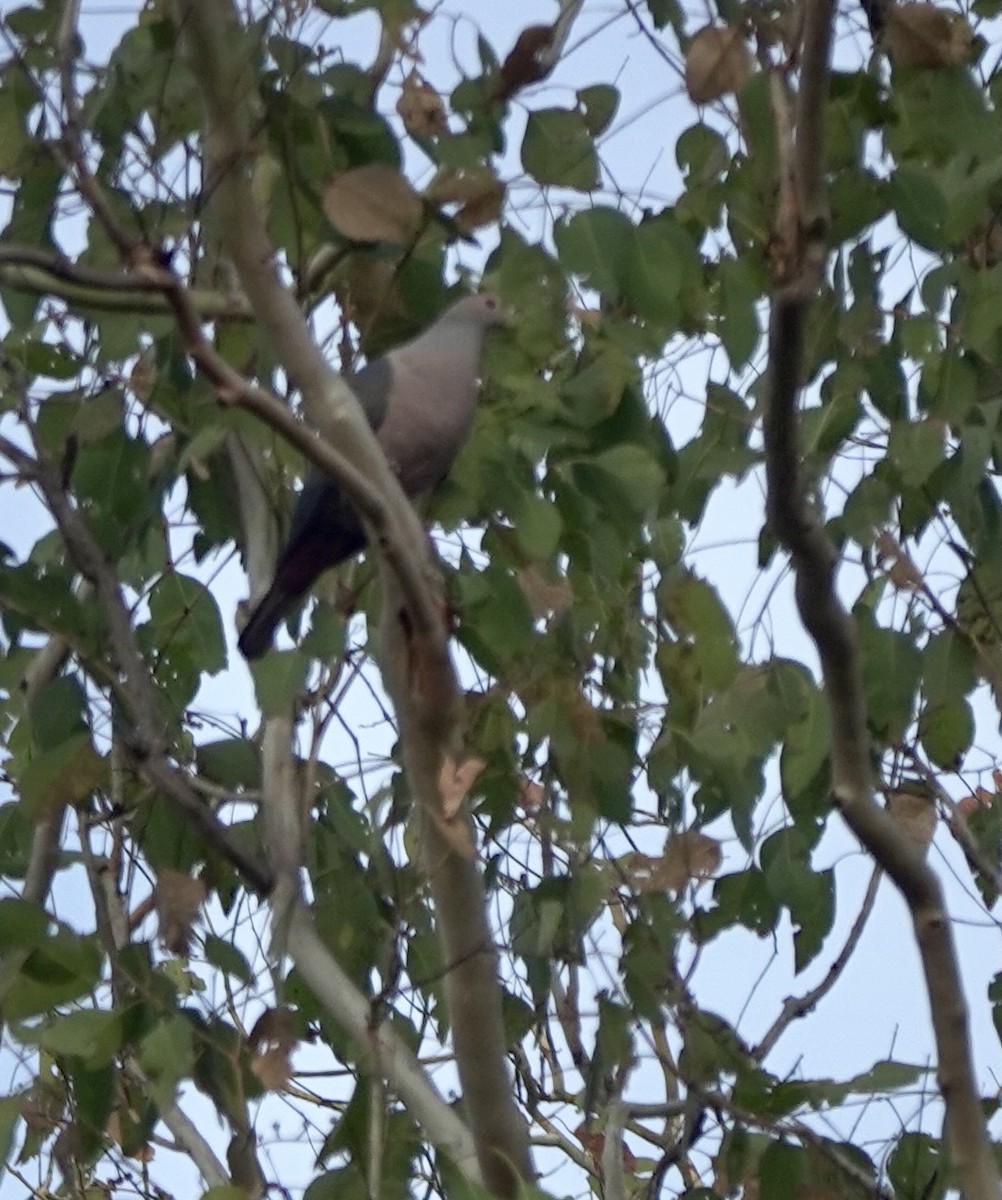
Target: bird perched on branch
[[420, 401]]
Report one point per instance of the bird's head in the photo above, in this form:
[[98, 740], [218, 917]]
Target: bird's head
[[483, 309]]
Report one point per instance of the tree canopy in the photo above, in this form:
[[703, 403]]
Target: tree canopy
[[424, 902]]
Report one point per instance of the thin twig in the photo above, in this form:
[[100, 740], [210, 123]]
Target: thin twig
[[795, 1007]]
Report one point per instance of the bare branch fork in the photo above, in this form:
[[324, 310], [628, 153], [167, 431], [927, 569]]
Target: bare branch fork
[[801, 233]]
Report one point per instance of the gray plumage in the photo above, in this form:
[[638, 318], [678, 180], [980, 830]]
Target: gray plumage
[[420, 400]]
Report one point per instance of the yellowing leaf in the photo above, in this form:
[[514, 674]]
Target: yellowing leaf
[[688, 857], [902, 572], [545, 596], [923, 35], [421, 108], [478, 192], [272, 1040], [178, 898], [718, 62], [66, 774], [374, 203]]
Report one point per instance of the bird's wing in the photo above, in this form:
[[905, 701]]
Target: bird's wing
[[373, 386]]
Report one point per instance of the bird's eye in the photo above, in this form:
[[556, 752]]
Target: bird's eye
[[491, 303]]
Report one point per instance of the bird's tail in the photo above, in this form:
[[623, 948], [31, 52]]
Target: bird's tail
[[256, 636]]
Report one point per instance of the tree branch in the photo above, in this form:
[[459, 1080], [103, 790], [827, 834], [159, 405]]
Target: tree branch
[[416, 663], [143, 741], [796, 1007], [390, 1057], [47, 273], [800, 530]]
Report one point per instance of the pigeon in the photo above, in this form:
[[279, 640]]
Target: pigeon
[[420, 400]]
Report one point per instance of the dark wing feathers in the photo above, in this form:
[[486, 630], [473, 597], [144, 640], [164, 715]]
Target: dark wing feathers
[[325, 529]]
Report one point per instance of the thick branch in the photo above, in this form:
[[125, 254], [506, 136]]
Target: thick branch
[[390, 1057], [416, 662], [800, 530], [418, 673]]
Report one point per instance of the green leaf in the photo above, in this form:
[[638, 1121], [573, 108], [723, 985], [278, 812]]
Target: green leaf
[[558, 149], [279, 679], [783, 1171], [497, 622], [231, 762], [224, 955], [886, 1075], [16, 838], [920, 206], [916, 1167], [167, 1056], [537, 525], [598, 105], [63, 968], [711, 1049], [805, 749], [58, 712], [744, 898], [112, 474], [740, 290], [626, 474], [946, 731], [891, 670], [22, 925], [808, 894], [916, 449], [10, 1115], [598, 244], [695, 610], [92, 1035], [186, 624], [66, 774]]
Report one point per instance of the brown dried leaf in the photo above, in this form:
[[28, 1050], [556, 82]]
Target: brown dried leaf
[[478, 192], [688, 857], [143, 375], [527, 61], [272, 1069], [545, 596], [421, 108], [374, 203], [178, 898], [593, 1141], [902, 572], [718, 62], [531, 795], [914, 814], [693, 854], [922, 35], [272, 1040]]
